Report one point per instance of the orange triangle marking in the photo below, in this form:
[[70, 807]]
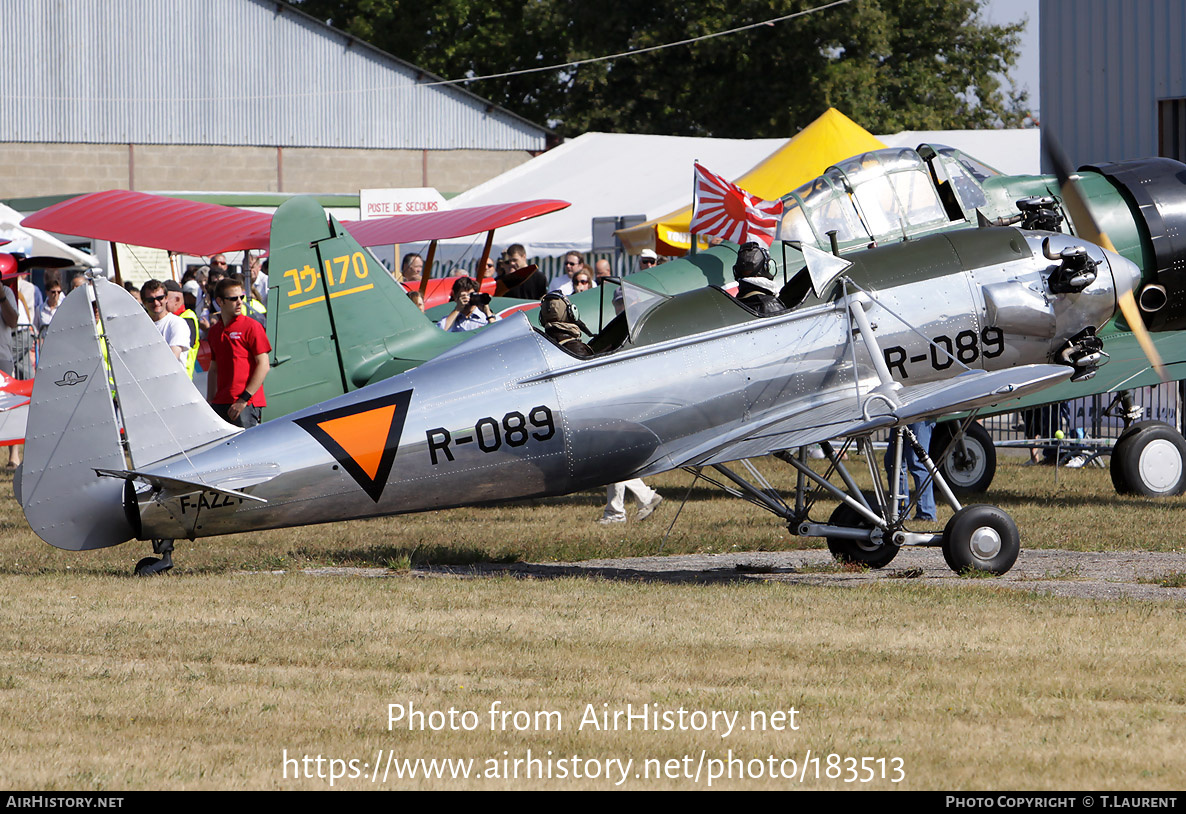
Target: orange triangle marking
[[362, 436]]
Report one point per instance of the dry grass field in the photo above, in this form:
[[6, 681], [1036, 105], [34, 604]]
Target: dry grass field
[[210, 676]]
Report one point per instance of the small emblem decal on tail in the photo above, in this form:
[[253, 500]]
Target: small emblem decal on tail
[[363, 437], [70, 378]]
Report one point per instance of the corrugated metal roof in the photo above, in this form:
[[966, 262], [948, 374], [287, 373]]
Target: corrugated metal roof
[[243, 72]]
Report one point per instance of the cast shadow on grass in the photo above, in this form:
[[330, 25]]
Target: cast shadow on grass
[[706, 576], [1007, 497], [404, 557]]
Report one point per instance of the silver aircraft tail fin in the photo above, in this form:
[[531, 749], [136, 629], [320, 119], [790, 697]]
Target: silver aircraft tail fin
[[163, 413], [73, 438], [72, 430]]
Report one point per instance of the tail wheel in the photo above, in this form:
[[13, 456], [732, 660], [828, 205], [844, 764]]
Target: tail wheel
[[873, 553], [1150, 460], [968, 468], [981, 538], [151, 566]]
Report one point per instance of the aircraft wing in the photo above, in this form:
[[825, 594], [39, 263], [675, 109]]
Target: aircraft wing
[[447, 223], [14, 415], [10, 401], [1127, 369], [173, 224], [193, 227], [801, 424]]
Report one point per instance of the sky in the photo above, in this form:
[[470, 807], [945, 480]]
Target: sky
[[1025, 74]]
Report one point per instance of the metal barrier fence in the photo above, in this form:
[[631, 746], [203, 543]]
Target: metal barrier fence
[[1090, 424], [1100, 416], [550, 266]]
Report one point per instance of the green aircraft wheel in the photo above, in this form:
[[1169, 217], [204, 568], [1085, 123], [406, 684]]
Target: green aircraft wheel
[[863, 552], [981, 538], [1149, 459], [967, 470]]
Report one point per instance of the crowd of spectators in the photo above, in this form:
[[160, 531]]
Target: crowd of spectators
[[212, 304]]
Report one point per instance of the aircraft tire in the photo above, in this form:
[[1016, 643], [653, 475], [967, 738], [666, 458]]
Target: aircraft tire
[[970, 474], [1149, 460], [981, 538], [1119, 475], [861, 552]]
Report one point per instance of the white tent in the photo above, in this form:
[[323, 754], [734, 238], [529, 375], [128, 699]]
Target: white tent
[[613, 174], [603, 175], [34, 242]]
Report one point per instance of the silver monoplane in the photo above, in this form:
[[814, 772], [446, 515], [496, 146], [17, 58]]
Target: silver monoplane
[[898, 334]]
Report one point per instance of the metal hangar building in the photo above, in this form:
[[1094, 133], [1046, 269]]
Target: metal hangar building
[[231, 95]]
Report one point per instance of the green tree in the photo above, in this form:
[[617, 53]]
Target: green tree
[[889, 64]]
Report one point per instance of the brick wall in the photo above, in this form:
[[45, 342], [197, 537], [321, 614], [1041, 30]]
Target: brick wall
[[30, 170]]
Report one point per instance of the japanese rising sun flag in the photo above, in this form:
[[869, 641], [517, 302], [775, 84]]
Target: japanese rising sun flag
[[723, 209]]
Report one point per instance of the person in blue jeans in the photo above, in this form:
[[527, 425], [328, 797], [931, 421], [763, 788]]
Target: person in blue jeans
[[925, 510]]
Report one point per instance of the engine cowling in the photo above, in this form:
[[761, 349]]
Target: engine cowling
[[1155, 190]]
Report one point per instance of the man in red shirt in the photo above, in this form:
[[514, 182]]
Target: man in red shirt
[[239, 350]]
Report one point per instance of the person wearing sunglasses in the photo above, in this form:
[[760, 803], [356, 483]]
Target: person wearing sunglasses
[[53, 299], [647, 260], [239, 351], [154, 297], [574, 262]]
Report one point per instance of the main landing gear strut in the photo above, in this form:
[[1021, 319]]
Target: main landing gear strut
[[869, 527]]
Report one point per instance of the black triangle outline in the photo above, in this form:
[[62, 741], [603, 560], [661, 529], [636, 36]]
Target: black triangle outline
[[372, 486]]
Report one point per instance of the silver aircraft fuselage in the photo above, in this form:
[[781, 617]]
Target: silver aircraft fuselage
[[510, 415]]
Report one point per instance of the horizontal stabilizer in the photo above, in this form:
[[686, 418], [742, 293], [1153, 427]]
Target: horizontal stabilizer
[[176, 487]]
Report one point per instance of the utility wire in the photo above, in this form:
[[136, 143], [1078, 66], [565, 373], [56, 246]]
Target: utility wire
[[637, 51], [444, 82]]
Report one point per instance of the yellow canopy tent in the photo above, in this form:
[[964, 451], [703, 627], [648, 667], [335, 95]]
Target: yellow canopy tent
[[828, 140]]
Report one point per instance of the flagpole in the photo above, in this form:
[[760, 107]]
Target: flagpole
[[695, 182]]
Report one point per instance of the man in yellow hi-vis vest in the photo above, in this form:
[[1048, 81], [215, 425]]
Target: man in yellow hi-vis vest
[[178, 303]]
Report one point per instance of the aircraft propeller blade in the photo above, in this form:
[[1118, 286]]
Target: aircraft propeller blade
[[514, 278], [43, 262], [1089, 229], [426, 274]]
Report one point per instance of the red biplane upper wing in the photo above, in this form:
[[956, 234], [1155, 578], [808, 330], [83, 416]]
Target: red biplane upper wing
[[155, 221], [447, 223], [196, 228]]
